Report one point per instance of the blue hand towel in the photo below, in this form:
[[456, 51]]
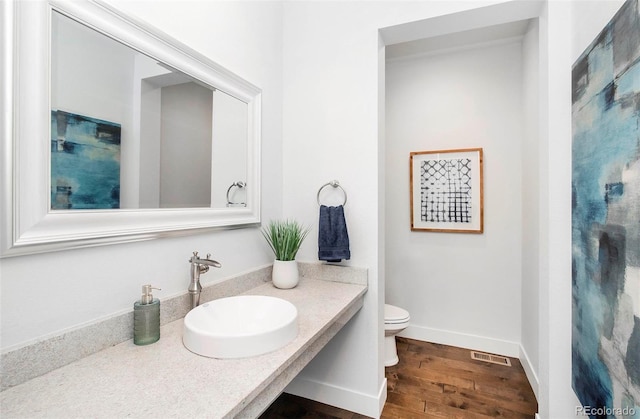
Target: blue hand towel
[[333, 239]]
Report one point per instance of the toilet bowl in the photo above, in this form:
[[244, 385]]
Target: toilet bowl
[[396, 320]]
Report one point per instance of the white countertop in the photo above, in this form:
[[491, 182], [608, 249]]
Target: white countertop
[[165, 379]]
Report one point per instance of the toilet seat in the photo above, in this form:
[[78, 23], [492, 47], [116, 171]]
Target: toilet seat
[[396, 320], [395, 315]]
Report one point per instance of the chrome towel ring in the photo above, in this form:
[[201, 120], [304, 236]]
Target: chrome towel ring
[[335, 184], [239, 184]]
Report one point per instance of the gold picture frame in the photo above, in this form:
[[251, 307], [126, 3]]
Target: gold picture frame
[[447, 190]]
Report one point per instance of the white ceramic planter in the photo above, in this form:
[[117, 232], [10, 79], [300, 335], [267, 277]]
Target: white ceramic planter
[[285, 274]]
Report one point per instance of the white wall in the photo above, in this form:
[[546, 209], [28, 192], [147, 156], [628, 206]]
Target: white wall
[[461, 289], [332, 122], [330, 132], [555, 396], [530, 220], [588, 20], [147, 189], [185, 151], [560, 26], [230, 121], [144, 191], [92, 84], [78, 287], [567, 28]]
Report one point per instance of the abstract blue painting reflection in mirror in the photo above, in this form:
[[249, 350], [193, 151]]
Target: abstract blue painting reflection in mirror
[[85, 162]]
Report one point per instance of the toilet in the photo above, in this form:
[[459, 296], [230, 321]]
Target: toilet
[[396, 320]]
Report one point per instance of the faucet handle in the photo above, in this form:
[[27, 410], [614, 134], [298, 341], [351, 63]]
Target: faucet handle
[[208, 256]]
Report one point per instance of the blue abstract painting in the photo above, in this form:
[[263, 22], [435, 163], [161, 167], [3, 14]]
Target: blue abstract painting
[[606, 220], [85, 162]]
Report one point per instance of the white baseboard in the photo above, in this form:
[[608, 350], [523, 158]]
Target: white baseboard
[[462, 340], [341, 397], [382, 397], [529, 371]]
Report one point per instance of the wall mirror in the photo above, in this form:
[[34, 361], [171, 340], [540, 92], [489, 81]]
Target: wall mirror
[[129, 135]]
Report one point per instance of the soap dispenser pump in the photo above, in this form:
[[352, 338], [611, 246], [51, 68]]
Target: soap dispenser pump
[[146, 318]]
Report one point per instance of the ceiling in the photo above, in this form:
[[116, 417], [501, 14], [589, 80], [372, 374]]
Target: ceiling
[[459, 40]]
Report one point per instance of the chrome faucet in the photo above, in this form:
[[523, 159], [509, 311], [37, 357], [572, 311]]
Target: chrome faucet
[[199, 266]]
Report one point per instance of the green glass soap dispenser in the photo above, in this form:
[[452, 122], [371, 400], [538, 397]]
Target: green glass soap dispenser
[[146, 318]]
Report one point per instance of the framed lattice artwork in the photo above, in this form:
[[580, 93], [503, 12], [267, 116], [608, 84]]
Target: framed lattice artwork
[[446, 191]]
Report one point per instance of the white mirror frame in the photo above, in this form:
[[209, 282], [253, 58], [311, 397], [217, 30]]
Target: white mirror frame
[[28, 226]]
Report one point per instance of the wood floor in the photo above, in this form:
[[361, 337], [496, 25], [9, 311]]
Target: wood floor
[[434, 381]]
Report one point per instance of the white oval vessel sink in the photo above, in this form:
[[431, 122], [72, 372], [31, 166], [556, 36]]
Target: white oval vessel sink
[[240, 326]]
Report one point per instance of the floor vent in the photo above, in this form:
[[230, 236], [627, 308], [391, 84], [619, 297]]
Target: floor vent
[[494, 359]]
